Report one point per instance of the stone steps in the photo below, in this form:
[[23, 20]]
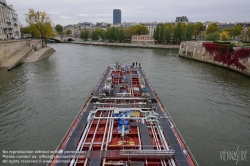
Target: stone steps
[[18, 55]]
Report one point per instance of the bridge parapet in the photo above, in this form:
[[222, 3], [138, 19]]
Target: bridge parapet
[[64, 38]]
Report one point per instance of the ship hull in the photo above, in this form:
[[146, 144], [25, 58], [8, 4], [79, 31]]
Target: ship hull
[[123, 123]]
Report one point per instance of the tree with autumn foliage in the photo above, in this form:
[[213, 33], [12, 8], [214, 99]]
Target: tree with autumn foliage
[[198, 27], [224, 36], [212, 28], [139, 30], [40, 24]]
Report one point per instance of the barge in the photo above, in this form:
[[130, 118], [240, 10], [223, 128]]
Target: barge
[[123, 123]]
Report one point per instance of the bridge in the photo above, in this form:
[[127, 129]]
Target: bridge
[[64, 38]]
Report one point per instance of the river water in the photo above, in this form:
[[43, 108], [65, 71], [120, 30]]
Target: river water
[[209, 105]]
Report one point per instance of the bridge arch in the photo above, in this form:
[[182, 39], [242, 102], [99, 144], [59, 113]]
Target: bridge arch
[[55, 40], [70, 39]]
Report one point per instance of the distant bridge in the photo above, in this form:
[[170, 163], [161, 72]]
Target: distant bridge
[[64, 38]]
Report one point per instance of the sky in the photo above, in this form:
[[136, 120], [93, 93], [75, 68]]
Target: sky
[[66, 12]]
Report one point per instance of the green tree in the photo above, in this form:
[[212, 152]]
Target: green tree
[[26, 30], [127, 34], [116, 36], [68, 32], [84, 35], [198, 27], [59, 29], [183, 27], [112, 34], [168, 34], [188, 32], [40, 24], [161, 35], [248, 33], [212, 28], [121, 35], [156, 33], [213, 36], [178, 32], [236, 31], [95, 35], [103, 35]]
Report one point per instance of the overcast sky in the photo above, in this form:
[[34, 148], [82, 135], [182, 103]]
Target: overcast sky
[[66, 12]]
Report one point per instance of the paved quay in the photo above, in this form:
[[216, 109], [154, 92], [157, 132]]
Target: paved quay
[[161, 46], [12, 60], [40, 54], [16, 52]]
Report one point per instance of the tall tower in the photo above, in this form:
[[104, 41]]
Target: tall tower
[[117, 16]]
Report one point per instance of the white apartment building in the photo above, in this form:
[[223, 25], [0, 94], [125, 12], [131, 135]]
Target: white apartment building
[[151, 27], [9, 24]]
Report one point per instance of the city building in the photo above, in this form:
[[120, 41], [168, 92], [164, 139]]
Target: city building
[[142, 39], [78, 28], [9, 24], [181, 19], [117, 16], [102, 25], [69, 27], [151, 27], [225, 25]]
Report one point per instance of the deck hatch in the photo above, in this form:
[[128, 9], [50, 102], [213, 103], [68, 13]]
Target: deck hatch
[[145, 137], [95, 161]]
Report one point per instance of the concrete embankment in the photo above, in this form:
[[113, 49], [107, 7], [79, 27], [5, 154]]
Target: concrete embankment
[[170, 47], [9, 48], [15, 52], [195, 51], [19, 52], [40, 54]]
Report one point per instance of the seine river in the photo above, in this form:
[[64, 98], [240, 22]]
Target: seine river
[[209, 105]]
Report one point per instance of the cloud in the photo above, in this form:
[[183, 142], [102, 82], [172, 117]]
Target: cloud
[[84, 15], [136, 11], [54, 13], [104, 15], [64, 17]]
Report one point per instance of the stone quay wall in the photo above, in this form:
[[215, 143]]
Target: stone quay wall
[[7, 48], [195, 51]]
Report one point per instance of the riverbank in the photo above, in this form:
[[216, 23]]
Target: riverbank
[[17, 51], [12, 53], [39, 55], [131, 45], [195, 51]]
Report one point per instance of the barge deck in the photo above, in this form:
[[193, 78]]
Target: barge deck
[[123, 123]]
